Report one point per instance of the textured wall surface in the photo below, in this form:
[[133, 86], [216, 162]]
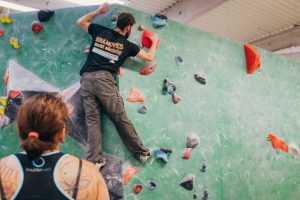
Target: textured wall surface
[[232, 114]]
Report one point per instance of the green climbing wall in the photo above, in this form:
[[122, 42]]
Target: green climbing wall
[[232, 114]]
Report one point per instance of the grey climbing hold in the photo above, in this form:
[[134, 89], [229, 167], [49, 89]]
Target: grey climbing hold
[[294, 149], [192, 141], [114, 17], [151, 185], [203, 167], [141, 28], [188, 182], [200, 79], [169, 87], [87, 49], [142, 110]]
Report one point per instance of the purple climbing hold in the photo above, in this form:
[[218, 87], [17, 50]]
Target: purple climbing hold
[[200, 79], [188, 182], [169, 87], [178, 60], [192, 141], [151, 185], [142, 110]]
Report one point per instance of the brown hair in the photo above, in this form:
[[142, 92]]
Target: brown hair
[[125, 19], [46, 115]]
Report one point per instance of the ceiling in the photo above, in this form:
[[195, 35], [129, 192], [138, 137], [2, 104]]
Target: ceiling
[[243, 20]]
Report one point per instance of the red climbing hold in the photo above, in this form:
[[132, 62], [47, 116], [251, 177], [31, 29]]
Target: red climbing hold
[[36, 26], [135, 95], [146, 42], [187, 154], [137, 188], [14, 93], [278, 143], [148, 68], [1, 32], [6, 78], [121, 71], [252, 58], [129, 172]]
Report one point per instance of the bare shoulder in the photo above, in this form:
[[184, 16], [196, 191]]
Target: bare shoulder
[[91, 181], [10, 175]]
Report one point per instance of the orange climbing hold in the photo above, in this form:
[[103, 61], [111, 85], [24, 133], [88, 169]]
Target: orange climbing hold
[[278, 143], [129, 172], [14, 93], [252, 58], [6, 78], [135, 95], [146, 42], [187, 153]]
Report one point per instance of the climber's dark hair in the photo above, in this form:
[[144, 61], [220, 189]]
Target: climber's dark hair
[[125, 19], [46, 116]]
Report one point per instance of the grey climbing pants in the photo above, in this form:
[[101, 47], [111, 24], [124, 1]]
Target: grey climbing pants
[[99, 93]]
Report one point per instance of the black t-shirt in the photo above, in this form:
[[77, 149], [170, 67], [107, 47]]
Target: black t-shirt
[[108, 50]]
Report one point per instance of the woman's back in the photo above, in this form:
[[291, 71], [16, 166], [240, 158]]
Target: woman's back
[[52, 176]]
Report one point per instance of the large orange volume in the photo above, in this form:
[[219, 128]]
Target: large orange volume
[[252, 58]]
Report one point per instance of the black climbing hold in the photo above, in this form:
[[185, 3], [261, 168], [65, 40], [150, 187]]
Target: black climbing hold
[[167, 150], [161, 16], [151, 185], [45, 15], [188, 182], [191, 141], [195, 195], [159, 20], [200, 79], [205, 195], [203, 168]]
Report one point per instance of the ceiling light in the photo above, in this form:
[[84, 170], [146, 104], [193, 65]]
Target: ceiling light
[[95, 2], [15, 6]]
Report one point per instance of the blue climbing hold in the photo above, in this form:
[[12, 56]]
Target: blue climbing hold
[[162, 155], [178, 60]]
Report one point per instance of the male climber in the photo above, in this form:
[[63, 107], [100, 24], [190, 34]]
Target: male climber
[[108, 51]]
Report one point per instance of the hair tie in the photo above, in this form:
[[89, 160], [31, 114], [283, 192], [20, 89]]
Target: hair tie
[[33, 134]]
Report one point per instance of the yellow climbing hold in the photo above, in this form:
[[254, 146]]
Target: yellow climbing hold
[[14, 42], [3, 101], [6, 19]]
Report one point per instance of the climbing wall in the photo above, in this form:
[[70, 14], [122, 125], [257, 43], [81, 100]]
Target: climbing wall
[[232, 114]]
